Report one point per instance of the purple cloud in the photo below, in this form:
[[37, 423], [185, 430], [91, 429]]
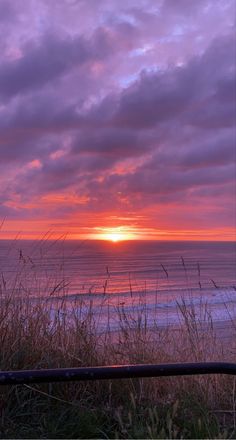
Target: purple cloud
[[46, 61], [120, 109]]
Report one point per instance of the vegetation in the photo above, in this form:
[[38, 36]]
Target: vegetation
[[45, 334]]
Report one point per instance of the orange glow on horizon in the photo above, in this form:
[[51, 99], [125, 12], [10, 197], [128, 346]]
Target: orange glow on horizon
[[39, 229]]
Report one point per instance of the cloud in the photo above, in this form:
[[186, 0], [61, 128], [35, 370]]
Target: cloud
[[7, 11], [49, 59], [197, 150], [112, 142], [126, 116], [193, 90]]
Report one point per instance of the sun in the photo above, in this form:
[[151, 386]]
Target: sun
[[113, 234], [115, 237]]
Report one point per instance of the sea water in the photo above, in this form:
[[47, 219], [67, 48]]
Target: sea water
[[147, 280]]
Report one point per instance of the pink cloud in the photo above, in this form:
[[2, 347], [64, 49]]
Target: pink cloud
[[111, 110]]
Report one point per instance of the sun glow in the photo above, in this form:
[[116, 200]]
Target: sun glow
[[114, 235]]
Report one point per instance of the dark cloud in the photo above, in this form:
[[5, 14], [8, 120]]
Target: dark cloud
[[158, 181], [20, 149], [193, 90], [153, 99], [49, 59], [112, 142], [200, 152]]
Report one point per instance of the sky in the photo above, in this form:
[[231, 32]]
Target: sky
[[117, 119]]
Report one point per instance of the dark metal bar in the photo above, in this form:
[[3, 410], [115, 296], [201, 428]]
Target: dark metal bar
[[114, 372]]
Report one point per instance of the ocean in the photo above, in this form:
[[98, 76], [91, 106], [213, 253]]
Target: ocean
[[140, 280]]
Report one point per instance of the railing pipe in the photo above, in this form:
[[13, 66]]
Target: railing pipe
[[114, 372]]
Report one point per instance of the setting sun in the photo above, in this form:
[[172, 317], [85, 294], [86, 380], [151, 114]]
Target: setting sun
[[115, 237], [115, 234]]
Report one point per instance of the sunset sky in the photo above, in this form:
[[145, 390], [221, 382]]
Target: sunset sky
[[117, 118]]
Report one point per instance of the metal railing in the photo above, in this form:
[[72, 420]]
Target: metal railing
[[114, 372]]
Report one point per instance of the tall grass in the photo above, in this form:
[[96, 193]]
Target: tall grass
[[35, 334]]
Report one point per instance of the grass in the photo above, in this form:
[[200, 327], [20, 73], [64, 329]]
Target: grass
[[183, 407]]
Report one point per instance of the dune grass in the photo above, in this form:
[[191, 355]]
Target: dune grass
[[183, 407], [32, 336]]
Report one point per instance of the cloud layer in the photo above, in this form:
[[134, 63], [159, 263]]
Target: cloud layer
[[118, 115]]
